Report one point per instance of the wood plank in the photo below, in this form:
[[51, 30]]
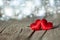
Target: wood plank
[[38, 35], [53, 34], [24, 35], [26, 32], [12, 31], [4, 24]]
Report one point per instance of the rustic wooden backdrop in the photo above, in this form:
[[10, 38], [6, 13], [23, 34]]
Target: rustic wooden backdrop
[[19, 30]]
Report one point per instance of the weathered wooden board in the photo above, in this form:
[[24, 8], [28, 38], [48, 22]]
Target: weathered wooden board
[[38, 35], [53, 34], [12, 31], [4, 24], [26, 32], [18, 30]]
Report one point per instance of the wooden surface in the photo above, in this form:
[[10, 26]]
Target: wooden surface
[[19, 30]]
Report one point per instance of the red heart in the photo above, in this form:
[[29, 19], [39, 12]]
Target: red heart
[[36, 26], [44, 20], [46, 25], [38, 21]]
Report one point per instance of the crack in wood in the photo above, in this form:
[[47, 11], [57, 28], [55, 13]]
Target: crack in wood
[[30, 35], [42, 35], [2, 30]]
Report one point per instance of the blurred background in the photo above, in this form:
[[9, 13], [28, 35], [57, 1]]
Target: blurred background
[[17, 15], [20, 9]]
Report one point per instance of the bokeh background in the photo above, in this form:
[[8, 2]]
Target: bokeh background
[[20, 9], [17, 15]]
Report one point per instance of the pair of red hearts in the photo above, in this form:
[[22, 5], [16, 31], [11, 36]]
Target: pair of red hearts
[[41, 24]]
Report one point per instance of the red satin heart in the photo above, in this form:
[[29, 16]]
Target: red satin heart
[[38, 22], [44, 20], [46, 25], [41, 24], [36, 26]]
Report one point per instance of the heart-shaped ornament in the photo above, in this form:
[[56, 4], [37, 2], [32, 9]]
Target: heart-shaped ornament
[[46, 25], [36, 26], [44, 20], [38, 22]]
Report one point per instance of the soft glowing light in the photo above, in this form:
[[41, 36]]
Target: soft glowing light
[[15, 3], [50, 9], [52, 3], [26, 12], [41, 12], [17, 11], [37, 2], [20, 9], [28, 8], [1, 3], [58, 11], [29, 4], [8, 11], [20, 16]]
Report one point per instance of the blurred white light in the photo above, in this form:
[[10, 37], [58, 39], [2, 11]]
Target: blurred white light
[[52, 3], [26, 11], [4, 17], [28, 8], [41, 12], [1, 2], [20, 16], [8, 11], [37, 2], [20, 9], [29, 4], [15, 3], [50, 9], [17, 11], [58, 11]]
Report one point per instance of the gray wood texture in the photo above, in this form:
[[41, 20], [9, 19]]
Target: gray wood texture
[[19, 30]]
